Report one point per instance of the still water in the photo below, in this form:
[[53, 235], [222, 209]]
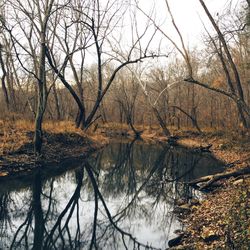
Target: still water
[[119, 198]]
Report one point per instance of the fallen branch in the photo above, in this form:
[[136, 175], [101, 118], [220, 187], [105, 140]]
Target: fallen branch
[[232, 164], [202, 149], [210, 179]]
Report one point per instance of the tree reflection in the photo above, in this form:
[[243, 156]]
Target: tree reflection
[[38, 213], [60, 231], [110, 218], [124, 185]]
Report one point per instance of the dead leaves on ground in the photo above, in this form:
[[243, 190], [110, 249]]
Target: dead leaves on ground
[[223, 220]]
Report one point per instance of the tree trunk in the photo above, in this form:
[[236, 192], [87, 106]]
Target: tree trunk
[[58, 113], [5, 92], [38, 129], [210, 179], [191, 117], [81, 108], [42, 97], [161, 122], [232, 65]]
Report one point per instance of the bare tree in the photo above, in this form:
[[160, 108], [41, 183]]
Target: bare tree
[[126, 94], [226, 54], [101, 25], [36, 14], [151, 100]]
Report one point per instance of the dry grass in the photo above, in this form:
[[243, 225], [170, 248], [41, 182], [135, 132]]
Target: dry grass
[[49, 126], [14, 134], [61, 127], [61, 141], [115, 125], [12, 137]]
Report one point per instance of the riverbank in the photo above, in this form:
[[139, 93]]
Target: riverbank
[[62, 142], [222, 219]]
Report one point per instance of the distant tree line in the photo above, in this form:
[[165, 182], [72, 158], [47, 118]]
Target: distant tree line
[[70, 60]]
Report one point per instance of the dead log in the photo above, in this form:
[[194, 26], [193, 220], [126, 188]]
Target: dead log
[[210, 179], [203, 149]]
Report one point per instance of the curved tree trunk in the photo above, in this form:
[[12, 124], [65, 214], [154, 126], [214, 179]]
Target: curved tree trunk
[[161, 122], [193, 119], [81, 109]]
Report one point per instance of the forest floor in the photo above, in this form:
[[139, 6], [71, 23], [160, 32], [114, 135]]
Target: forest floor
[[61, 142]]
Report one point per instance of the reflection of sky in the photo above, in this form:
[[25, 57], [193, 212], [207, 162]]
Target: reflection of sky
[[148, 217], [147, 225]]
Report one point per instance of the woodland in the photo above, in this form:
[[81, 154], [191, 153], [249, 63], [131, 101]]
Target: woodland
[[69, 60], [74, 74]]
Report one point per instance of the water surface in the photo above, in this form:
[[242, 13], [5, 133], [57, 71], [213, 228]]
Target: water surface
[[120, 198]]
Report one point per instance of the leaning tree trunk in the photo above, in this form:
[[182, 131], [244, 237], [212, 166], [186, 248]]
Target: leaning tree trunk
[[211, 179], [130, 122], [191, 117], [161, 122], [232, 65], [81, 108]]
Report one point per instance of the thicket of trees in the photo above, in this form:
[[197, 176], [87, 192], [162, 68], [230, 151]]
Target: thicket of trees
[[91, 60]]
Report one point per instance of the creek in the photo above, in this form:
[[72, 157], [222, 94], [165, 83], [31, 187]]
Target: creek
[[121, 197]]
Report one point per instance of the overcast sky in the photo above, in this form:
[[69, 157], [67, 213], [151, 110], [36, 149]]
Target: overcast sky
[[187, 14]]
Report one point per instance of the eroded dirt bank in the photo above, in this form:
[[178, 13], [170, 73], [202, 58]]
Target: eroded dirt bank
[[62, 143]]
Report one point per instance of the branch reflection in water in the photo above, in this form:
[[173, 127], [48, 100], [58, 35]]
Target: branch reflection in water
[[120, 198]]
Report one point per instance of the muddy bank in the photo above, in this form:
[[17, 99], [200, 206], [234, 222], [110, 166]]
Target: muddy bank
[[59, 151], [222, 219]]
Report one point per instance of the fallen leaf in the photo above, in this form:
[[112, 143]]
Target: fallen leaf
[[3, 173]]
